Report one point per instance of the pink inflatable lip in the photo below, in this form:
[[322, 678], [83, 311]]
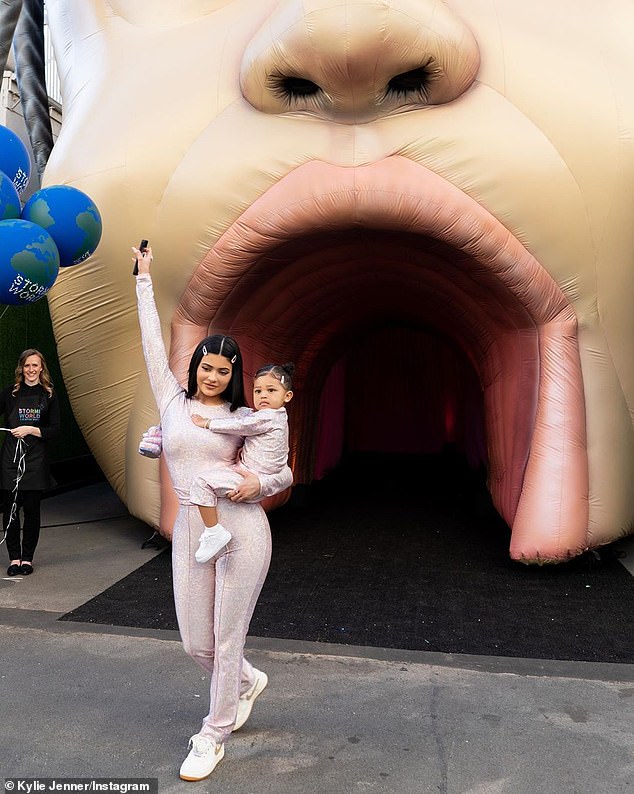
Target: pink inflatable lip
[[538, 459]]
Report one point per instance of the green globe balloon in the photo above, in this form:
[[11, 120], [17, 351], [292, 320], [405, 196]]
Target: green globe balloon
[[29, 262], [9, 199], [70, 217], [14, 157]]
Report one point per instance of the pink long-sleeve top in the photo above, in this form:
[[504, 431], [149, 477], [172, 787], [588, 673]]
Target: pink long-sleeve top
[[189, 449], [265, 432]]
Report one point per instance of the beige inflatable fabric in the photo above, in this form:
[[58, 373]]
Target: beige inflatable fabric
[[301, 168]]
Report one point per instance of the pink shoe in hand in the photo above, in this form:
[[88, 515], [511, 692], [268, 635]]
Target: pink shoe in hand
[[151, 444]]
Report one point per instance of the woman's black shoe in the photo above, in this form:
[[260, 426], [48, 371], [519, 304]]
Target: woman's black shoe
[[26, 569], [14, 570]]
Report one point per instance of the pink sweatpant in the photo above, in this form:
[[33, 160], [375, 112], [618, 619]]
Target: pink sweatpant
[[215, 602]]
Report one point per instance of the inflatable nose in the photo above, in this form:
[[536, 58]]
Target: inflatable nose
[[356, 61]]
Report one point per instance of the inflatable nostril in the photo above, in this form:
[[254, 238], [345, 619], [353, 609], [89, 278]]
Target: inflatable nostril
[[414, 84], [294, 88], [353, 61]]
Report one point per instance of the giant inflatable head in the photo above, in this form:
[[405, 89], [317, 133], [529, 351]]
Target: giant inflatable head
[[312, 174]]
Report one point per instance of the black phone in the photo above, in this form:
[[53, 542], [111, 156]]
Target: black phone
[[142, 247]]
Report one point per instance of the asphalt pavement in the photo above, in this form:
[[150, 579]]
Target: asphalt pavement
[[85, 701]]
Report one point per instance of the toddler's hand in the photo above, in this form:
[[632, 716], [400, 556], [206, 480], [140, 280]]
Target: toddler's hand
[[199, 420]]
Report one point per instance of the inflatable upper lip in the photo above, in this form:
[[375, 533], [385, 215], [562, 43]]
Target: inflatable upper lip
[[394, 194]]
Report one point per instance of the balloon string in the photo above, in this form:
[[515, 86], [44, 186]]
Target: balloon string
[[19, 456], [6, 308]]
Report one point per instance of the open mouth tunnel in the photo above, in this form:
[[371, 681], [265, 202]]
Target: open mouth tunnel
[[329, 257], [398, 338]]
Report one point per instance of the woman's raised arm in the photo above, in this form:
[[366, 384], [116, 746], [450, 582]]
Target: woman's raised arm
[[164, 385]]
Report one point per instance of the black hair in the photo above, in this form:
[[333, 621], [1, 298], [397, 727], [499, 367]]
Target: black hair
[[282, 372], [221, 346]]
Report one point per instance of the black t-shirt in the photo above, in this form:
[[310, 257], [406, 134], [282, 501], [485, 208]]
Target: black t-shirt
[[31, 405]]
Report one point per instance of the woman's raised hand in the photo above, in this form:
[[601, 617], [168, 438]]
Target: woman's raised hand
[[143, 259]]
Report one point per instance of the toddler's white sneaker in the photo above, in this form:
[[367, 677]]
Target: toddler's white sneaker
[[211, 541]]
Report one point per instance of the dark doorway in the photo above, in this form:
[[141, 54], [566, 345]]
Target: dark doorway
[[404, 391]]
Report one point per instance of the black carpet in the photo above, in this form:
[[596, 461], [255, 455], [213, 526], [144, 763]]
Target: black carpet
[[420, 564]]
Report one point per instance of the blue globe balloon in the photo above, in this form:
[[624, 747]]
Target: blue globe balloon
[[9, 199], [70, 217], [29, 262], [14, 159]]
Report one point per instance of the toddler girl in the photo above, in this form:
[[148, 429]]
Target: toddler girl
[[265, 450]]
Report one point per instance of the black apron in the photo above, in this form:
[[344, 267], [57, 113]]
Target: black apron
[[29, 408]]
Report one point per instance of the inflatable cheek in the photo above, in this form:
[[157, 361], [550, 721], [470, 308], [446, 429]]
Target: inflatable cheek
[[429, 174]]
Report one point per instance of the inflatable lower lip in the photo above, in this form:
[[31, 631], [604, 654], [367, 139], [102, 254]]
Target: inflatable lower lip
[[522, 330]]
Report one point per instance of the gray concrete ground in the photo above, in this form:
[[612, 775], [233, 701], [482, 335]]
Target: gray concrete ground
[[91, 701]]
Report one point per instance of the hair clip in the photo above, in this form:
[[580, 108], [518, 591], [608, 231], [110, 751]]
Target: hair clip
[[204, 350], [282, 379], [234, 359]]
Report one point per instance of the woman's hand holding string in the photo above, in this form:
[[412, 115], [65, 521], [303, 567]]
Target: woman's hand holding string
[[26, 430]]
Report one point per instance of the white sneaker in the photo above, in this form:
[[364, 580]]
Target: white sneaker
[[203, 758], [211, 541], [245, 704]]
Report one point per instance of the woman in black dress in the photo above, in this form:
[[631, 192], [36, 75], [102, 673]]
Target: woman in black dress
[[31, 419]]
